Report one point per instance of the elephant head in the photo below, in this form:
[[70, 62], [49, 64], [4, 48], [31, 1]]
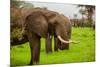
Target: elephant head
[[62, 29]]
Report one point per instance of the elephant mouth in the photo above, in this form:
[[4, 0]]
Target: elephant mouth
[[64, 41]]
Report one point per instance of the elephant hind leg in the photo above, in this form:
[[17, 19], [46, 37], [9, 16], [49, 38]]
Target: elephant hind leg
[[34, 41], [35, 53]]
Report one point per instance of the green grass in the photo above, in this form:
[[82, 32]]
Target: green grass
[[84, 51]]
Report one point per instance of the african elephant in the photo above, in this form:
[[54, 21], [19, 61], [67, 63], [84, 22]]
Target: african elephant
[[43, 23], [21, 13], [38, 24]]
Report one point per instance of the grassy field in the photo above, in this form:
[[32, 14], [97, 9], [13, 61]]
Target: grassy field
[[81, 52]]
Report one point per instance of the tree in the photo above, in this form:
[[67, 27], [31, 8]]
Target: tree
[[75, 20], [20, 4], [75, 16], [16, 3], [27, 5], [88, 11]]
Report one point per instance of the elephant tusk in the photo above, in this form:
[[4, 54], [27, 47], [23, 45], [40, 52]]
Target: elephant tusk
[[73, 41], [62, 40]]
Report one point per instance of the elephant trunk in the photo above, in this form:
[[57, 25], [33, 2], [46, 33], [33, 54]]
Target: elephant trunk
[[64, 41]]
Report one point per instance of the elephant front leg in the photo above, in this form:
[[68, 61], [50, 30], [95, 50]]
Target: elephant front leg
[[36, 51], [34, 41], [48, 45], [55, 44]]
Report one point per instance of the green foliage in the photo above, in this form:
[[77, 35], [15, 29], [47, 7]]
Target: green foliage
[[81, 52], [16, 33], [18, 3], [88, 11], [27, 5]]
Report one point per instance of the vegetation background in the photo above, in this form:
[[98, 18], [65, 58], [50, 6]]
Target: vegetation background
[[81, 52]]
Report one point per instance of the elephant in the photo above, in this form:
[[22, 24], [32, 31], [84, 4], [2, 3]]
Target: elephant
[[36, 27], [44, 23], [22, 13], [38, 24]]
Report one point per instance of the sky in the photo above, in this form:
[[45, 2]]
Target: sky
[[67, 9]]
